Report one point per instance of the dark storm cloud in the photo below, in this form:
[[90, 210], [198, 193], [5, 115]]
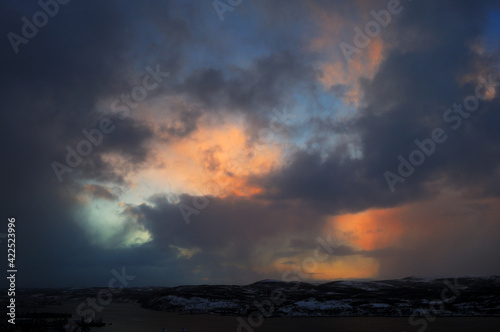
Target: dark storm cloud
[[128, 141], [183, 120], [334, 187], [50, 90], [227, 232], [57, 78], [405, 101], [98, 191], [412, 90], [223, 223], [335, 249], [269, 82], [89, 51]]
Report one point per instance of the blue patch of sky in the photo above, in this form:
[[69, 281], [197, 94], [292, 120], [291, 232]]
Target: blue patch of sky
[[492, 38]]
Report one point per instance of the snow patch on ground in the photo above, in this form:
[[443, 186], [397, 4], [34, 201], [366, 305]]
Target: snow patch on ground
[[197, 303]]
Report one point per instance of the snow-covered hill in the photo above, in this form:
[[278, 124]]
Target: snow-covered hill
[[477, 296], [438, 297]]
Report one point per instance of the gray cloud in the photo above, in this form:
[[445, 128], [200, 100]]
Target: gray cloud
[[91, 52]]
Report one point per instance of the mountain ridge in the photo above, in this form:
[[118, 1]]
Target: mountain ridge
[[463, 296]]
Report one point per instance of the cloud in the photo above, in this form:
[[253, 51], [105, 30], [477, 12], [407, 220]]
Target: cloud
[[98, 191], [404, 101], [322, 174]]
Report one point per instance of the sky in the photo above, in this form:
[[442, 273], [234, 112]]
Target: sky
[[225, 142]]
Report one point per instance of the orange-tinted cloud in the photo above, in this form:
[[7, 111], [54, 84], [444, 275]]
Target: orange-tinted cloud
[[332, 30], [214, 160], [345, 267], [479, 73], [369, 230], [330, 25], [364, 65], [348, 267]]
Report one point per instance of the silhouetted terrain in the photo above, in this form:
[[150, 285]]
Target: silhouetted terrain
[[476, 296]]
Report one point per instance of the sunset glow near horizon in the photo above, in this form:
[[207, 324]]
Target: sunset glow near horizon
[[244, 147]]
